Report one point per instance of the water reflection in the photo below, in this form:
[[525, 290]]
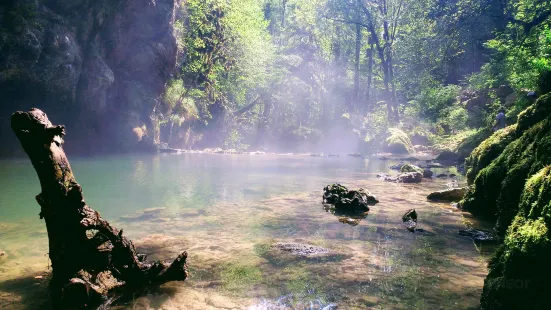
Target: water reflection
[[227, 210]]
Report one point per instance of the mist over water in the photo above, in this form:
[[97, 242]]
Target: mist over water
[[226, 211]]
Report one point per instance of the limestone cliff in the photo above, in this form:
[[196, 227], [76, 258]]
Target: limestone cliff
[[96, 65]]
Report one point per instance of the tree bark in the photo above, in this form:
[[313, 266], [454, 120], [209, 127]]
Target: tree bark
[[90, 258]]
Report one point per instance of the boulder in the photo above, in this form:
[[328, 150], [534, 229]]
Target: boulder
[[348, 201], [410, 220], [410, 177], [449, 195], [410, 168], [447, 156]]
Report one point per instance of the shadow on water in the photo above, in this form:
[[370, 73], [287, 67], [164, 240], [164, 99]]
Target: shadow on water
[[25, 293]]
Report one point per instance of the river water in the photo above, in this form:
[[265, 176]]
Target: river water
[[226, 211]]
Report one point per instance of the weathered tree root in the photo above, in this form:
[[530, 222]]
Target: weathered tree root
[[90, 258]]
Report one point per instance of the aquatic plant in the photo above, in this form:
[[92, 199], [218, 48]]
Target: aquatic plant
[[239, 277]]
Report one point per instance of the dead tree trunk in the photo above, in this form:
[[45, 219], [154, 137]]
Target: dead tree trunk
[[90, 258]]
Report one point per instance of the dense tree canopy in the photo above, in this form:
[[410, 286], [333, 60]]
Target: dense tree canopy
[[287, 72]]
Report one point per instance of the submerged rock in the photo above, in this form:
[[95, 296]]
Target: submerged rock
[[349, 221], [348, 201], [300, 249], [479, 236], [410, 220], [450, 195]]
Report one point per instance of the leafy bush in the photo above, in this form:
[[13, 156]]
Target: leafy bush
[[433, 101]]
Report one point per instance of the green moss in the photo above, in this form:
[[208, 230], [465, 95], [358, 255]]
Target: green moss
[[534, 113], [498, 173], [398, 142], [410, 168], [487, 151], [519, 271], [471, 141], [239, 277]]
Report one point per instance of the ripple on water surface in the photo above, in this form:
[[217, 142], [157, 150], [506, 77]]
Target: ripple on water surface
[[229, 211]]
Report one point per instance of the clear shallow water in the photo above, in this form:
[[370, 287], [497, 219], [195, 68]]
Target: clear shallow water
[[226, 210]]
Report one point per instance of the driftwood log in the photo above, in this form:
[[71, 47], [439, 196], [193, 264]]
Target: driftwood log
[[91, 259]]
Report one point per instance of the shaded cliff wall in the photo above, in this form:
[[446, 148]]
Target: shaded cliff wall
[[97, 66]]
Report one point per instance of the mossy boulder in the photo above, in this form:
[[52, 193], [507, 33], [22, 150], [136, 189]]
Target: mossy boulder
[[398, 142], [503, 168], [466, 146], [520, 270], [410, 168], [488, 150], [449, 195]]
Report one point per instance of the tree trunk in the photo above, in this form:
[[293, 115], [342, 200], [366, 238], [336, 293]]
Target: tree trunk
[[90, 258], [369, 77], [357, 68]]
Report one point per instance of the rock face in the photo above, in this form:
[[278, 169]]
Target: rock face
[[449, 195], [95, 65], [510, 177], [519, 272], [348, 201], [498, 168]]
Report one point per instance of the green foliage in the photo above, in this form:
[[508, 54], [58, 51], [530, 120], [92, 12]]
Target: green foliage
[[398, 142], [435, 101]]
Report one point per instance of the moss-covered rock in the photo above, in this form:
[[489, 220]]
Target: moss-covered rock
[[535, 113], [467, 145], [498, 185], [487, 151], [410, 168], [398, 142], [453, 194], [520, 270]]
